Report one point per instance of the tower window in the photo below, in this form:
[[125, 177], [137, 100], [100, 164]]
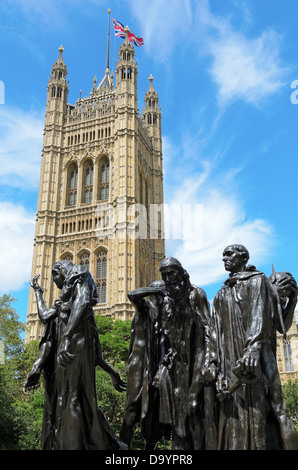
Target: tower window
[[101, 276], [59, 92], [288, 358], [88, 182], [104, 180], [73, 186], [84, 260], [128, 74], [53, 92], [123, 74], [67, 256], [147, 196], [141, 189]]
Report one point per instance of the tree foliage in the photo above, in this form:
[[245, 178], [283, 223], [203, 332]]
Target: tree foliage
[[290, 393], [114, 338], [20, 415]]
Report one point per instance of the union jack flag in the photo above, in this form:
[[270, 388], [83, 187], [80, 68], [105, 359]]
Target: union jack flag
[[120, 33]]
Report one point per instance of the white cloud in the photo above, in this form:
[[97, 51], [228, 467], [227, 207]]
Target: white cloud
[[163, 25], [20, 147], [242, 68], [222, 222], [209, 213], [16, 246], [246, 69]]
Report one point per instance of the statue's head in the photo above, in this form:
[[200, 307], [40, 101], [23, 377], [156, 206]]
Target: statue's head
[[175, 277], [235, 258], [59, 272]]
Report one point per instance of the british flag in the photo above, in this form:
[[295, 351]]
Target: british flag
[[120, 33]]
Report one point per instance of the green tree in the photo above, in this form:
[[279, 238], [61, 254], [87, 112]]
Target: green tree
[[10, 338], [20, 414], [29, 408], [290, 393], [114, 338]]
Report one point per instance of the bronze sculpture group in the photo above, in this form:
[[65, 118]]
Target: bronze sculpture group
[[205, 378]]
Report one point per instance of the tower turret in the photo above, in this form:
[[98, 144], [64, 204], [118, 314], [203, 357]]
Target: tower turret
[[152, 112], [58, 86], [48, 196], [126, 74]]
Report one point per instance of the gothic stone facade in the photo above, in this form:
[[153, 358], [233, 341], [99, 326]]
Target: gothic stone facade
[[101, 171], [287, 353]]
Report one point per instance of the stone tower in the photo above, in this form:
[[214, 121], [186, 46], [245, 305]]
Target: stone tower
[[101, 186]]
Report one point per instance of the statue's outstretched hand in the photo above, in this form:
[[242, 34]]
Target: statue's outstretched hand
[[34, 284], [118, 383], [284, 283]]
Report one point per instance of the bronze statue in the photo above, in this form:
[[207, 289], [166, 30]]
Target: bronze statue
[[246, 313], [176, 355], [142, 400], [69, 352], [183, 373]]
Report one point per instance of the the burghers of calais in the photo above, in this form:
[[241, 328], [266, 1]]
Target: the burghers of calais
[[246, 313], [69, 353], [169, 355]]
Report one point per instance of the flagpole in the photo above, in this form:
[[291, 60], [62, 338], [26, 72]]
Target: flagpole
[[108, 53]]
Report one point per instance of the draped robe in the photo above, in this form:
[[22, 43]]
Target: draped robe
[[72, 419], [255, 416]]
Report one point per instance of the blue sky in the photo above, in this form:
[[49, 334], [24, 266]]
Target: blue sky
[[223, 71]]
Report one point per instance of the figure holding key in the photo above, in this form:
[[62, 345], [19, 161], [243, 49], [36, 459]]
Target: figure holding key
[[247, 311]]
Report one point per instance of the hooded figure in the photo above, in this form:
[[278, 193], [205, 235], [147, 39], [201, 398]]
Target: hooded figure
[[185, 336], [69, 352], [142, 398], [245, 315]]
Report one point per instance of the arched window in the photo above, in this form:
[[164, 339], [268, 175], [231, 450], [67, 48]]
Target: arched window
[[141, 189], [101, 276], [67, 256], [288, 357], [85, 259], [88, 182], [104, 179], [73, 185], [147, 196]]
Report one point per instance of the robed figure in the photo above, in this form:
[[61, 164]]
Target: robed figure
[[185, 400], [246, 313], [69, 352], [144, 356]]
